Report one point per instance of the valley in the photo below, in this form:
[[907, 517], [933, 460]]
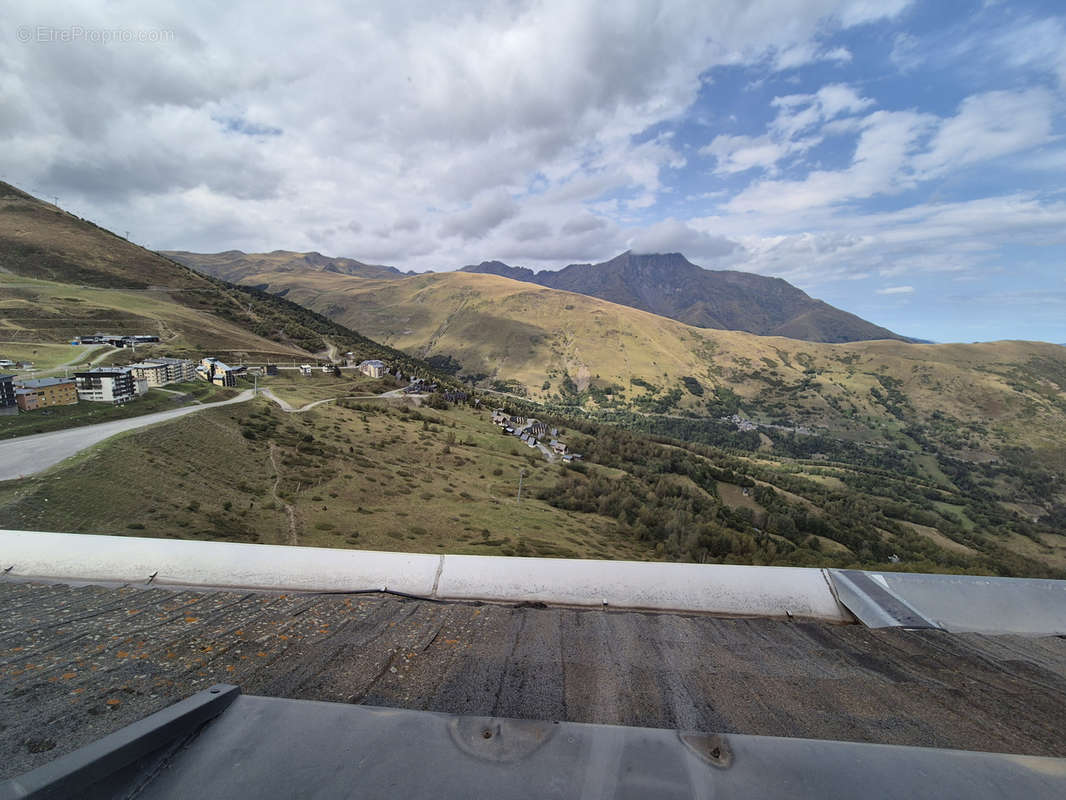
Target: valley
[[390, 474], [699, 444], [565, 350]]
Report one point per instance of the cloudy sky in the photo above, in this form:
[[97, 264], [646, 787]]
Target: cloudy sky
[[902, 160]]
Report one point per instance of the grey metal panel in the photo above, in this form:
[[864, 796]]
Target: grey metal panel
[[69, 775], [957, 603], [272, 748], [869, 599]]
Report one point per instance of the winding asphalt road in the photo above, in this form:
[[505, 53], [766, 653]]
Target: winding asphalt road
[[28, 455]]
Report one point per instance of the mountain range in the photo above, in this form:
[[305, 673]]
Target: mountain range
[[670, 285], [959, 446], [666, 284], [61, 275], [554, 346], [235, 265]]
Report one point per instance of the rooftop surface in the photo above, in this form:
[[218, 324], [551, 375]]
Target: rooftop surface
[[40, 383], [77, 663]]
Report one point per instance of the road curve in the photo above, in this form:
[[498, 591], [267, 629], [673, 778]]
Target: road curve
[[28, 455], [285, 406]]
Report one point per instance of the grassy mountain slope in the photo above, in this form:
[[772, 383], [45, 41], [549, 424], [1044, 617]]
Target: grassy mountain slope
[[977, 399], [670, 285], [879, 453], [61, 276], [384, 475], [234, 266]]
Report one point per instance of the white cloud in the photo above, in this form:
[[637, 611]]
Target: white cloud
[[841, 54], [877, 167], [988, 126], [795, 56], [282, 130], [673, 236], [906, 54], [1032, 44], [808, 53], [866, 11], [796, 115], [800, 112], [740, 153], [963, 239], [896, 290], [487, 211], [897, 150]]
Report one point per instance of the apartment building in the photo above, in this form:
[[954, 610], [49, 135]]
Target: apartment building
[[32, 394], [373, 368], [8, 404], [218, 373], [109, 385], [150, 372], [178, 369]]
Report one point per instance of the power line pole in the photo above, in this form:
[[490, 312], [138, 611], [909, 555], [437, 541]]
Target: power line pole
[[521, 474]]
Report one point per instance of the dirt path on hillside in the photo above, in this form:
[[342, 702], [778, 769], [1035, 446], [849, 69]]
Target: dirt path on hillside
[[289, 510], [286, 406]]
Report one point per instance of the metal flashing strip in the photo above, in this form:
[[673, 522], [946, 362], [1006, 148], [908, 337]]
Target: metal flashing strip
[[273, 748], [867, 596], [956, 603], [723, 589], [100, 761]]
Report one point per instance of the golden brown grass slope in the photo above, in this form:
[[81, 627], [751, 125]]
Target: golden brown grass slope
[[235, 265], [61, 276], [559, 346]]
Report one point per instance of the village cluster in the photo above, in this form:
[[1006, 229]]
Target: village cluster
[[126, 383], [112, 384], [532, 432], [122, 384]]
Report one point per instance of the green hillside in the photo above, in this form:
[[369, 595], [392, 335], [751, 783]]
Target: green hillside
[[938, 408], [234, 265], [699, 444], [62, 276]]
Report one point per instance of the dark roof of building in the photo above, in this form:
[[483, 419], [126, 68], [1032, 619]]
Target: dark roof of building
[[7, 377], [40, 383], [104, 371], [77, 663]]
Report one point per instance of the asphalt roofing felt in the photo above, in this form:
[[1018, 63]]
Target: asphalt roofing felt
[[77, 663]]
